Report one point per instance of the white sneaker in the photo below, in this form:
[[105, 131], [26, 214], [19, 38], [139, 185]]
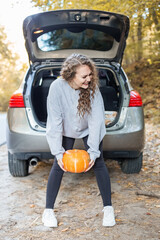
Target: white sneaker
[[48, 218], [108, 218]]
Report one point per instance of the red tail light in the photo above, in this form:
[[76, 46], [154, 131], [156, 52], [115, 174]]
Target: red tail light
[[135, 99], [16, 101]]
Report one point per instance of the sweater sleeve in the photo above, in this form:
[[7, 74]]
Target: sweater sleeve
[[96, 125], [54, 127]]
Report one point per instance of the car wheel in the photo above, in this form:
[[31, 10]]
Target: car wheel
[[132, 165], [17, 168]]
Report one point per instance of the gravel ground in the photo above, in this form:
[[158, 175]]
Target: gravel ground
[[136, 199]]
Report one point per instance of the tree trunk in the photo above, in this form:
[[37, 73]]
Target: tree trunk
[[155, 19], [139, 38]]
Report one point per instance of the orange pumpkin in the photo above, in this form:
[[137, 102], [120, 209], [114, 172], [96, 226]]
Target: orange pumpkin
[[76, 161]]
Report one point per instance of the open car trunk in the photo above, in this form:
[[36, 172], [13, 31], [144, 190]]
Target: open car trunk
[[55, 34], [109, 88]]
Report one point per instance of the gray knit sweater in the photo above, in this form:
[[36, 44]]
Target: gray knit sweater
[[63, 119]]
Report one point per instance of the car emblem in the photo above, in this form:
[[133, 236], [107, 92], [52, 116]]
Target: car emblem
[[77, 17]]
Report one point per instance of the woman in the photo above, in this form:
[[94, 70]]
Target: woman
[[75, 110]]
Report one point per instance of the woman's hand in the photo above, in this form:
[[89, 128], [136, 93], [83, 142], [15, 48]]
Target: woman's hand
[[91, 163], [60, 163]]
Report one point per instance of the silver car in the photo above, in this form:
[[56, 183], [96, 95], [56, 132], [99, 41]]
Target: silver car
[[50, 37]]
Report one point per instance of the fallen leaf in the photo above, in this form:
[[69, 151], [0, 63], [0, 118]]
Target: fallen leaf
[[63, 201], [157, 206], [148, 213], [118, 220], [146, 180], [130, 184], [64, 230], [117, 211], [149, 200], [145, 169], [139, 198], [149, 61], [32, 205], [60, 223]]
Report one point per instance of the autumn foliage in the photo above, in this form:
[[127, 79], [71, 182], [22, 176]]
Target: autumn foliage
[[11, 73]]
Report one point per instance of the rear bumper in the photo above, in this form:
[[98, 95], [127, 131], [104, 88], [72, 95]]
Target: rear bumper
[[24, 142], [116, 155]]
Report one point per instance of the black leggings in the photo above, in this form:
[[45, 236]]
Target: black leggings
[[100, 170]]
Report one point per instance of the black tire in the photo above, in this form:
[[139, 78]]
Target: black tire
[[17, 168], [132, 165]]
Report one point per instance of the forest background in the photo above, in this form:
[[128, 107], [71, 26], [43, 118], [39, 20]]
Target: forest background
[[141, 60]]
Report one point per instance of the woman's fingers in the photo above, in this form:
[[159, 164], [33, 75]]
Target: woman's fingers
[[91, 163], [60, 163]]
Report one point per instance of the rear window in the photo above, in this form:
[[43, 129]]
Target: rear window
[[90, 39]]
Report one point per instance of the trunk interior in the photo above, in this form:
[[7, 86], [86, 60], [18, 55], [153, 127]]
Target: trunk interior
[[109, 87]]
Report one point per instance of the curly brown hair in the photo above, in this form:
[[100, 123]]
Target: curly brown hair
[[68, 73]]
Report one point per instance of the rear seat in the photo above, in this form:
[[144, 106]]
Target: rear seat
[[110, 98], [40, 98]]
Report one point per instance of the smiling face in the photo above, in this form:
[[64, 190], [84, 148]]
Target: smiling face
[[82, 77]]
